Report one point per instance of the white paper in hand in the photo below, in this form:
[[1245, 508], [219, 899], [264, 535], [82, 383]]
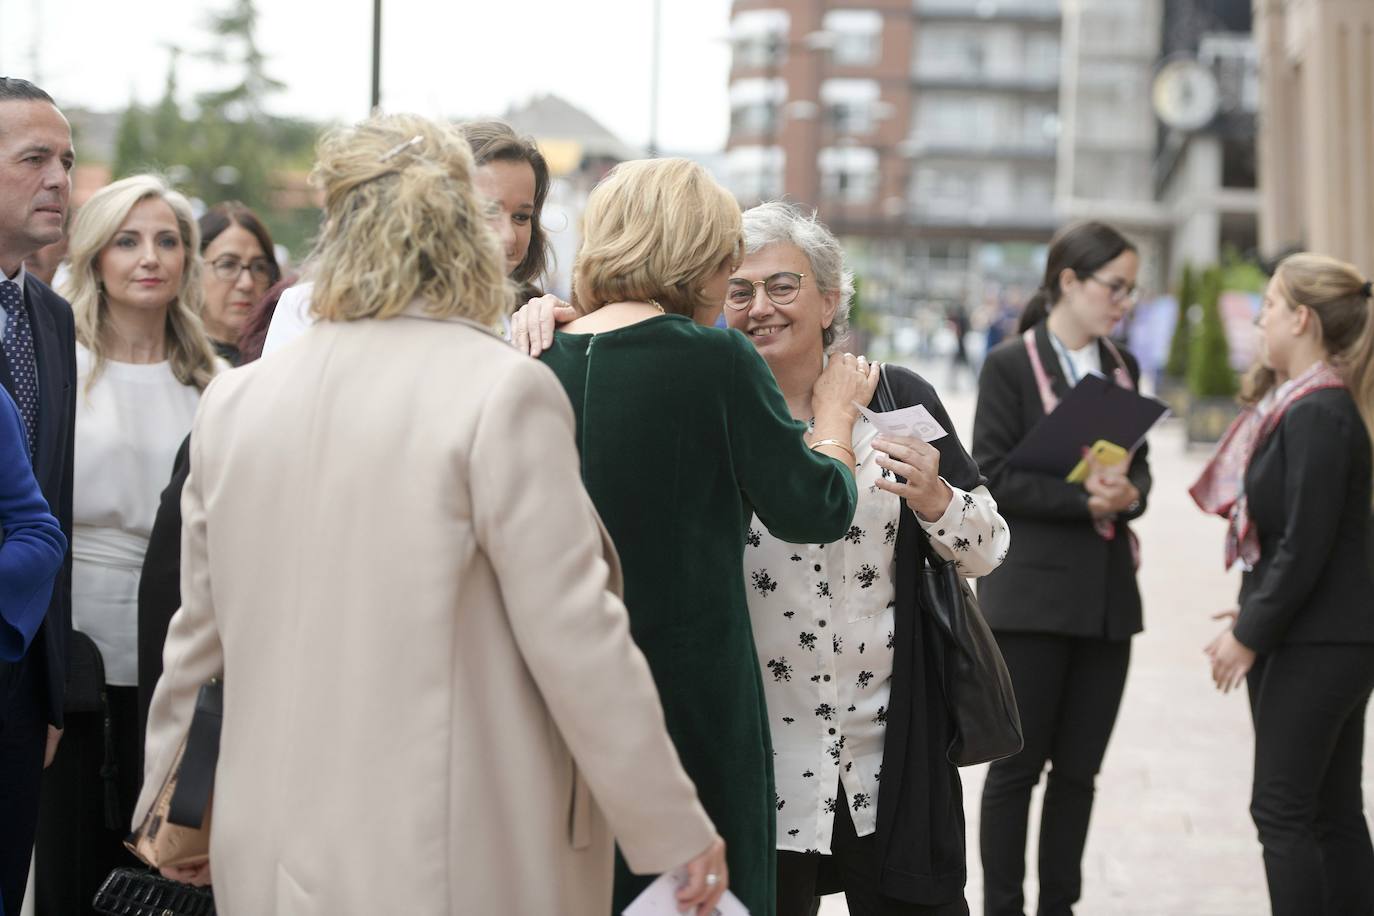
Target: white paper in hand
[[908, 421], [660, 899]]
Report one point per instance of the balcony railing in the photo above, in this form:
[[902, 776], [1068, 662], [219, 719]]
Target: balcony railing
[[1046, 11], [928, 78]]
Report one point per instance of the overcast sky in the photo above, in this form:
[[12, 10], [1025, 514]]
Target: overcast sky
[[439, 57]]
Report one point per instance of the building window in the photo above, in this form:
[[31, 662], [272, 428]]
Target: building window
[[759, 38], [857, 37], [851, 105], [754, 173], [849, 173], [754, 105]]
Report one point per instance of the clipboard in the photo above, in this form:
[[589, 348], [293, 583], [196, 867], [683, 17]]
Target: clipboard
[[1094, 409]]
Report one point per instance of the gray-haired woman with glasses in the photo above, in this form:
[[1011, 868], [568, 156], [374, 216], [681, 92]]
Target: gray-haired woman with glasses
[[868, 806], [240, 266]]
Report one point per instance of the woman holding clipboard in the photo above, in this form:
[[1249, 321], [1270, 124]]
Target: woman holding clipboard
[[1064, 605]]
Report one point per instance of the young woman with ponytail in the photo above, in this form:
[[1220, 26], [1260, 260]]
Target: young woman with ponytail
[[1293, 479], [1064, 604]]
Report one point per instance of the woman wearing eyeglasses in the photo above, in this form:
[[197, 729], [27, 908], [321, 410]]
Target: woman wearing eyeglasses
[[1065, 604], [240, 266]]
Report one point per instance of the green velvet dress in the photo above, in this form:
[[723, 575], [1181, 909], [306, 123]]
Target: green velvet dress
[[684, 435]]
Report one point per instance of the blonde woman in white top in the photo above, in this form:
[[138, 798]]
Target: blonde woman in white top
[[142, 361]]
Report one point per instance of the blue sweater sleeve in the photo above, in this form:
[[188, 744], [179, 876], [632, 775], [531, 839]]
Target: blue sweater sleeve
[[33, 546]]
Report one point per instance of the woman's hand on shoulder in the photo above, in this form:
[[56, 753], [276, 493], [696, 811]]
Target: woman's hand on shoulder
[[532, 326], [847, 381]]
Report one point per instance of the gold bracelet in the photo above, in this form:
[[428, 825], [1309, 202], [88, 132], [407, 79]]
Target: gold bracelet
[[837, 444]]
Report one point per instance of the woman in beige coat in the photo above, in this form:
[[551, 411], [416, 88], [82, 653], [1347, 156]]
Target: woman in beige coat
[[432, 702]]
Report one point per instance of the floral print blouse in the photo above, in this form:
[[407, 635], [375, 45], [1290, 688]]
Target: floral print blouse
[[822, 619]]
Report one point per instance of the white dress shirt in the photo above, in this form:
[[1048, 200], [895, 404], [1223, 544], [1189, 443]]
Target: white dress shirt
[[822, 616], [129, 425]]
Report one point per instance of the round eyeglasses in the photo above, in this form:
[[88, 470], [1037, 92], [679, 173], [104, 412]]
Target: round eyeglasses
[[229, 267], [1118, 290], [781, 288]]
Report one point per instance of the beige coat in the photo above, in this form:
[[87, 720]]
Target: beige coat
[[388, 552]]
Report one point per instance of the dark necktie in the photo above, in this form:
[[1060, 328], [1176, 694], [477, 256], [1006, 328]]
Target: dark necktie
[[18, 344]]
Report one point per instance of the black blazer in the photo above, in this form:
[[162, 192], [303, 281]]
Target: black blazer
[[920, 829], [1308, 487], [1060, 576], [54, 344], [159, 585]]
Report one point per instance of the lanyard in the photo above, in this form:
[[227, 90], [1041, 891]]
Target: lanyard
[[1063, 353]]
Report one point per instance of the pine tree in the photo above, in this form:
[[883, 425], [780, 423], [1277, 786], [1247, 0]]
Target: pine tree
[[1209, 360], [1177, 365]]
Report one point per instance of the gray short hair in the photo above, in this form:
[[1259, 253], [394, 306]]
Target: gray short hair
[[778, 222]]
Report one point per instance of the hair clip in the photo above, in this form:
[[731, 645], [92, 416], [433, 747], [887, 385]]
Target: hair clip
[[1368, 289], [401, 148]]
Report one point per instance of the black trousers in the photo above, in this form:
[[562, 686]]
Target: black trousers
[[852, 868], [85, 812], [23, 735], [1308, 704], [1068, 690]]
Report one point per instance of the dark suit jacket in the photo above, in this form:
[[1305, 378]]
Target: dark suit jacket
[[159, 586], [1308, 486], [1061, 576], [54, 343]]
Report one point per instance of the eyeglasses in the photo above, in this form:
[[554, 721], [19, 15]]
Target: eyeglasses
[[229, 267], [781, 288], [1119, 290]]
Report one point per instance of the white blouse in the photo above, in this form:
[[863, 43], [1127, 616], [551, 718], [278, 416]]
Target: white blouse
[[129, 426], [822, 616]]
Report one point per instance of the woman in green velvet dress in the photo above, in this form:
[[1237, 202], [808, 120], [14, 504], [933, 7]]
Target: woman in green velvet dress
[[684, 435]]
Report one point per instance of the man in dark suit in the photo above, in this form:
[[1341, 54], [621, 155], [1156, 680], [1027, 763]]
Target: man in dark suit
[[38, 368]]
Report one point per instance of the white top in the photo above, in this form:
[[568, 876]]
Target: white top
[[129, 426], [1086, 360], [291, 318], [822, 620]]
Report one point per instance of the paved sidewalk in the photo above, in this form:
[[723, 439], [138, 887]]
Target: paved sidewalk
[[1171, 833]]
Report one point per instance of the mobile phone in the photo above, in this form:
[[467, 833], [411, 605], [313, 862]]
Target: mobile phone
[[1105, 454]]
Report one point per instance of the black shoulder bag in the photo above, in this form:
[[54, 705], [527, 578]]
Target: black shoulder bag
[[978, 691]]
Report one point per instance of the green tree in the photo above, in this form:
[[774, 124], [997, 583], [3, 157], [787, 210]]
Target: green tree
[[1209, 361], [1177, 365], [225, 146]]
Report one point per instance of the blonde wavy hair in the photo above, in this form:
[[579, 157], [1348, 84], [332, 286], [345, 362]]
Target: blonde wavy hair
[[192, 358], [403, 222], [655, 229], [1338, 296]]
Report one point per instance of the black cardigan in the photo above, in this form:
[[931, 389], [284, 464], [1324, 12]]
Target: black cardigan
[[920, 829], [1308, 487], [159, 585], [1060, 576]]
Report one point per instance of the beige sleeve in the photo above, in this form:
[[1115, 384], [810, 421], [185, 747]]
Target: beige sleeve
[[192, 654], [536, 523]]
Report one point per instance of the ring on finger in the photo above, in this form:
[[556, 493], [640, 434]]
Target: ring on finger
[[712, 879]]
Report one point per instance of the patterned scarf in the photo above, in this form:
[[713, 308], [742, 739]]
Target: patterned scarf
[[1220, 490]]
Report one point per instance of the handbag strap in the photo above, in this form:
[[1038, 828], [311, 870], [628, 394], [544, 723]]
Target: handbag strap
[[196, 777], [886, 401]]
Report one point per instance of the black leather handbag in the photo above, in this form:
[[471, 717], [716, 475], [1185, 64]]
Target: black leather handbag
[[144, 892], [978, 691]]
